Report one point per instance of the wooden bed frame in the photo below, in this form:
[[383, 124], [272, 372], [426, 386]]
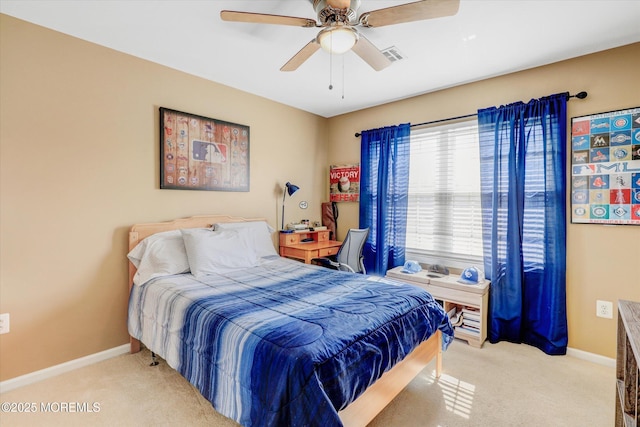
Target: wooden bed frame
[[364, 409]]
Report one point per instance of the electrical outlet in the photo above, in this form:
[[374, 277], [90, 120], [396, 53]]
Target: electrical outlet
[[604, 309], [4, 323]]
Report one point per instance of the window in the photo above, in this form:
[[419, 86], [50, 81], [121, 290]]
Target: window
[[444, 220]]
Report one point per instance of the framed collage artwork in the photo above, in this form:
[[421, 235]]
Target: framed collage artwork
[[605, 168], [199, 153]]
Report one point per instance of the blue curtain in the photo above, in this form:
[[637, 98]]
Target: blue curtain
[[384, 186], [523, 163]]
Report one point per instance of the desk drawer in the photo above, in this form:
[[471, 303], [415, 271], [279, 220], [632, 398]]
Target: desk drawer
[[323, 236], [328, 251], [293, 252], [289, 239]]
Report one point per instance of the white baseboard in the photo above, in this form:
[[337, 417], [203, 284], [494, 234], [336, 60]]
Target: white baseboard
[[43, 374], [591, 357]]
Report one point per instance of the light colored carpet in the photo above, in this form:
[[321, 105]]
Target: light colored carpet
[[499, 385]]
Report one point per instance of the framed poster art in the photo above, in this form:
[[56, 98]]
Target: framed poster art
[[199, 153], [605, 168], [344, 183]]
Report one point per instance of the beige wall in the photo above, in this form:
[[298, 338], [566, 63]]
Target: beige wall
[[79, 165], [602, 261]]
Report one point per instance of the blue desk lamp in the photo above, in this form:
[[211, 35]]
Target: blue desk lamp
[[289, 188]]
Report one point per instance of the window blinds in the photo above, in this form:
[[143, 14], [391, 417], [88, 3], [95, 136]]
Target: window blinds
[[444, 219]]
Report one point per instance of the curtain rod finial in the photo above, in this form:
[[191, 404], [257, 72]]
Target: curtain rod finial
[[579, 95]]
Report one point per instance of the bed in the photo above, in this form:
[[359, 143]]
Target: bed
[[272, 341]]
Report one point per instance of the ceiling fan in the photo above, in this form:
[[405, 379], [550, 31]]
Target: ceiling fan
[[338, 19]]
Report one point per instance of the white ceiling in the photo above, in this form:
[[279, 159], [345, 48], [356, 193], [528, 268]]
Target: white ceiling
[[486, 38]]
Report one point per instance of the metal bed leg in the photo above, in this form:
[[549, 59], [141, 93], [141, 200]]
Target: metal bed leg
[[154, 361]]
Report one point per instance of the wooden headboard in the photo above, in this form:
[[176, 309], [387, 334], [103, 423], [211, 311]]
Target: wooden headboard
[[140, 231]]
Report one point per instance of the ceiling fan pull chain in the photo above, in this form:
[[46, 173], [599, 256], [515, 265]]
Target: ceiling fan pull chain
[[342, 76], [330, 70]]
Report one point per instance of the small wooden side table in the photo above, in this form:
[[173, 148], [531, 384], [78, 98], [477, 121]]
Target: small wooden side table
[[470, 299]]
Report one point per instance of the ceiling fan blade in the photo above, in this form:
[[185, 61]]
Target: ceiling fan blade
[[261, 18], [370, 54], [339, 4], [299, 58], [416, 11]]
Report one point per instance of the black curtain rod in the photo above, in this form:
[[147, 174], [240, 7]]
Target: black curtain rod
[[580, 95]]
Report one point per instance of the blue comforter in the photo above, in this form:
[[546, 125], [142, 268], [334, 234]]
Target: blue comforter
[[283, 344]]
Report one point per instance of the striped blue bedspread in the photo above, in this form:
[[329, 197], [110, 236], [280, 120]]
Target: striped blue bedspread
[[284, 343]]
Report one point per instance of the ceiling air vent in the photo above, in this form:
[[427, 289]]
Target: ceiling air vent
[[393, 54]]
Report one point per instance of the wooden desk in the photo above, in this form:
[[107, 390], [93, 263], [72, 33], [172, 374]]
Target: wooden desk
[[291, 245]]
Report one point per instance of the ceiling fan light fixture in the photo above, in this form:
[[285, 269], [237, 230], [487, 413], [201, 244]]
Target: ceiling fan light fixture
[[337, 39]]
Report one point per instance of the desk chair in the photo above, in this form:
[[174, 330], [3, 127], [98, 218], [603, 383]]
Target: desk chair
[[349, 256]]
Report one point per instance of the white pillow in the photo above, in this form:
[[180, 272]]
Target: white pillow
[[161, 254], [211, 252], [259, 231]]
